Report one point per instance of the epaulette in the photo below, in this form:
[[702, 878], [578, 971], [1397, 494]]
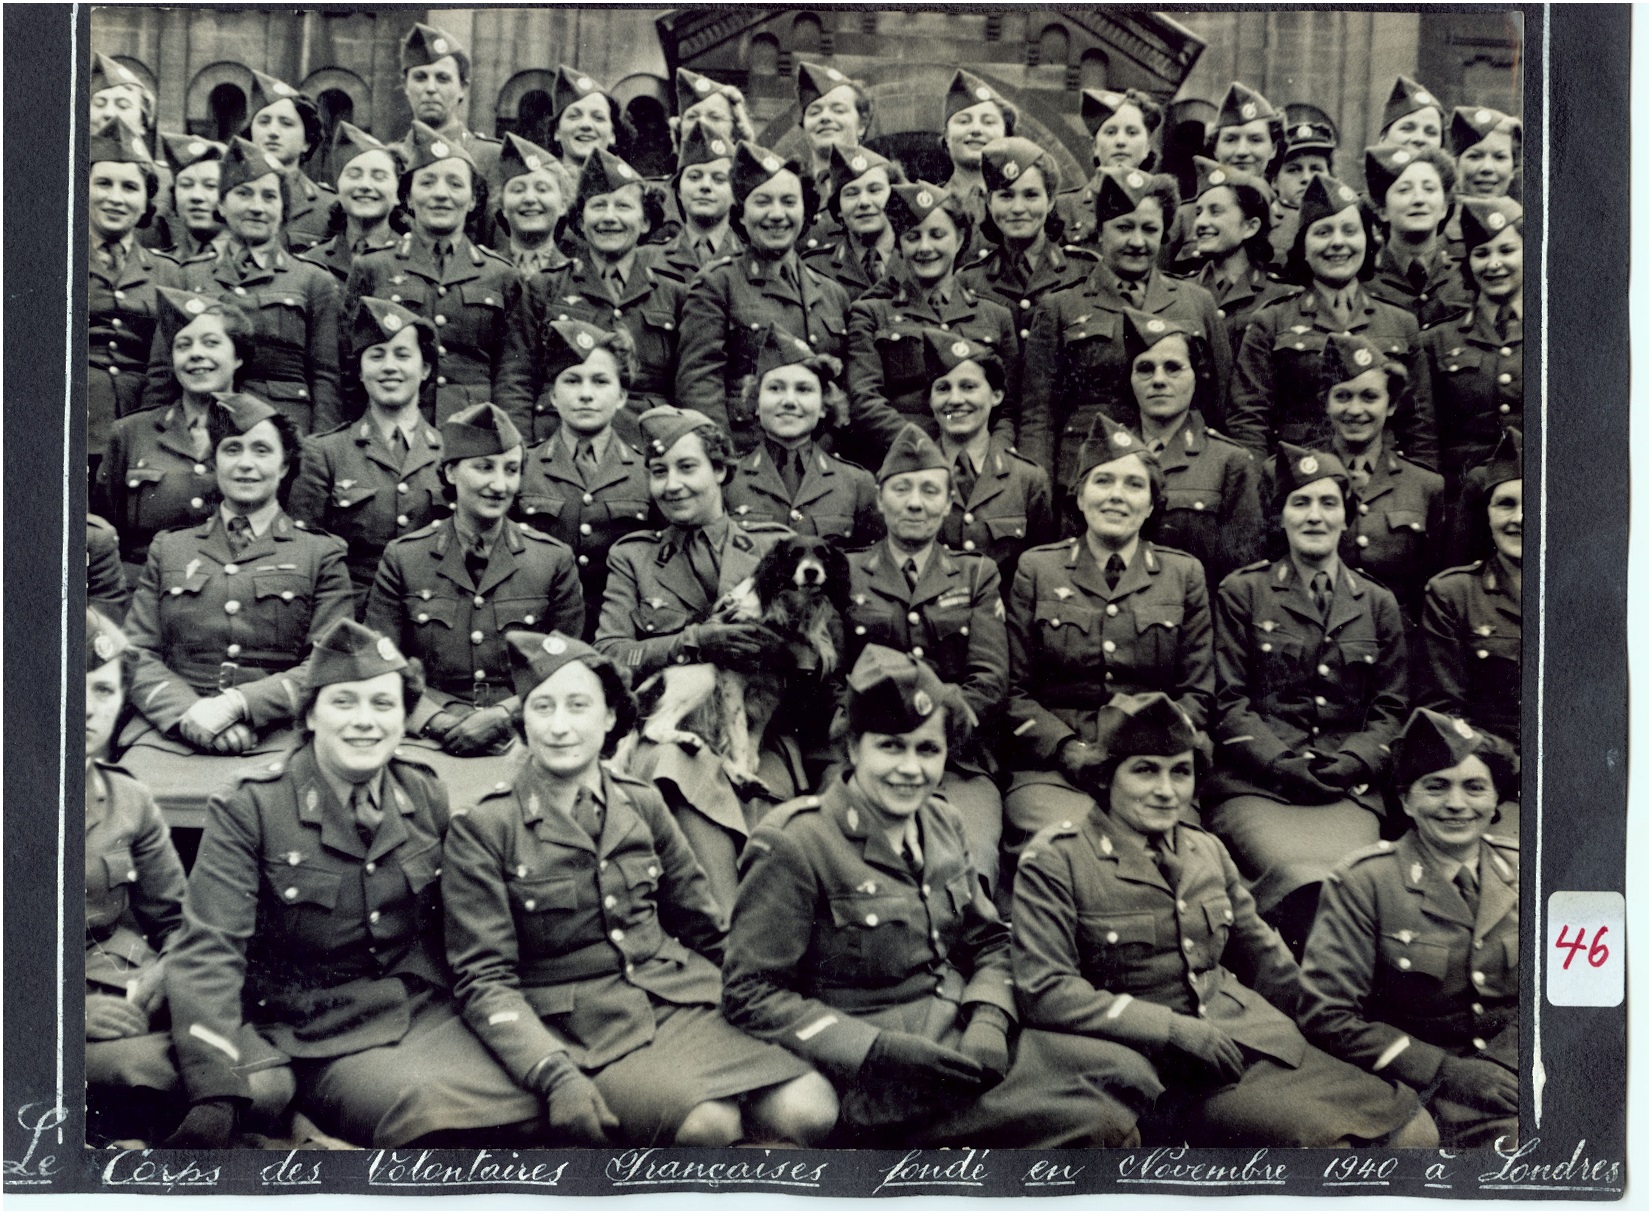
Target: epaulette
[[786, 811], [208, 254], [756, 525], [1254, 567], [1290, 290], [649, 536], [272, 770], [488, 251], [726, 259], [406, 244], [1468, 568], [1161, 548], [1011, 450], [624, 778], [411, 760], [1381, 848], [500, 789], [1503, 842], [1080, 252], [310, 528], [1058, 546], [418, 533], [340, 429], [535, 534], [486, 139]]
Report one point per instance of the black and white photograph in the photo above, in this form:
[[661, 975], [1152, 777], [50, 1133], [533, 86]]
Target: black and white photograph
[[854, 601]]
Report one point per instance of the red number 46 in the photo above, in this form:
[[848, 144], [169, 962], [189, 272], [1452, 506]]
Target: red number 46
[[1595, 957]]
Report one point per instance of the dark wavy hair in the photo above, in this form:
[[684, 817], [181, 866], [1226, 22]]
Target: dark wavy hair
[[151, 191], [1466, 274], [953, 207], [1159, 498], [1297, 272], [1255, 207], [615, 687], [219, 427], [1275, 126], [828, 369], [413, 683], [896, 176], [281, 185], [810, 205]]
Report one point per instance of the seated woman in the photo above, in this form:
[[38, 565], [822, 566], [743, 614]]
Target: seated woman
[[373, 480], [597, 986], [1312, 670], [1105, 612], [788, 478], [1103, 945], [1411, 970], [448, 592], [134, 909], [226, 611], [863, 942], [312, 934]]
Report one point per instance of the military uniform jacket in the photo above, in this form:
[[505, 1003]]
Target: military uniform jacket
[[833, 930], [842, 261], [563, 943], [471, 303], [1073, 643], [120, 317], [336, 257], [484, 150], [1473, 630], [294, 310], [1399, 974], [297, 926], [953, 621], [310, 221], [1289, 682], [353, 485], [150, 480], [1058, 268], [1278, 393], [1104, 943], [588, 518], [1477, 388], [728, 306], [679, 260], [1435, 295], [654, 599], [1239, 301], [205, 619], [1076, 208], [105, 576], [1211, 497], [424, 598], [1009, 510], [887, 374], [835, 500], [1075, 366], [134, 880]]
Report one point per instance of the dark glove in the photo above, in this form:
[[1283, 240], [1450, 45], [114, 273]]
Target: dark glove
[[985, 1041], [441, 724], [209, 1124], [750, 646], [1478, 1083], [1080, 763], [919, 1062], [480, 734], [1295, 780], [576, 1110], [1340, 771], [1208, 1046]]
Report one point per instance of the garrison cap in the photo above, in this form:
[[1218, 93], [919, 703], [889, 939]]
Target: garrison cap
[[1483, 219], [375, 320], [911, 451], [700, 146], [1243, 105], [945, 351], [603, 173], [177, 307], [1383, 164], [1408, 96], [244, 162], [814, 80], [426, 44], [910, 203], [480, 430], [1121, 190], [1504, 464], [1324, 196], [535, 657], [104, 640], [892, 693], [349, 651], [1471, 125], [850, 164], [108, 73], [1145, 724], [518, 157], [569, 343], [351, 142], [1211, 175], [1005, 160], [967, 90], [429, 146], [693, 87], [1297, 466], [267, 91], [181, 151], [1143, 330], [754, 165], [781, 348], [1431, 742], [1107, 440], [663, 425], [1347, 356], [1099, 104], [115, 142], [243, 410], [572, 86]]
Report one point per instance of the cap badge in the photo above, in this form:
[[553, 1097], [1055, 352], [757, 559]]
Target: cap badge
[[126, 74], [438, 149], [1400, 157], [269, 159], [1308, 464], [1484, 117], [1217, 177], [626, 171], [771, 164], [555, 645], [1302, 131], [719, 148], [1155, 325], [1425, 99], [104, 646], [392, 322], [439, 46], [1113, 100], [1122, 439], [960, 349], [924, 199], [1362, 357], [1461, 729], [284, 89], [196, 148], [701, 85], [533, 161], [858, 164], [982, 93], [803, 346], [833, 74], [1136, 180], [1347, 194], [1250, 110], [585, 83], [1497, 221], [196, 306], [922, 702], [1010, 170], [387, 651], [585, 342]]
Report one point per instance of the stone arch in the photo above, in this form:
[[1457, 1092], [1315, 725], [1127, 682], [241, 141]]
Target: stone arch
[[646, 102], [213, 96], [351, 96], [1095, 70], [806, 34], [1053, 46], [524, 105], [764, 55]]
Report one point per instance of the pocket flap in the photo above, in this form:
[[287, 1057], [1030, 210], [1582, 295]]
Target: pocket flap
[[1095, 324], [1312, 341], [1191, 498], [1412, 520], [871, 911], [1058, 614], [1218, 913], [961, 892], [551, 1001], [119, 868], [479, 294], [1167, 616], [282, 299], [286, 587], [144, 476], [542, 505], [354, 496], [1461, 359], [1122, 928], [1008, 527], [1426, 958], [527, 612], [440, 611], [651, 620], [639, 869], [307, 885], [659, 318], [544, 894]]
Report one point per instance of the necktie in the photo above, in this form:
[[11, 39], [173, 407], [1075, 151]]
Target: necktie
[[1359, 471], [475, 561], [1322, 592], [1503, 323], [1168, 862], [441, 258], [787, 273], [701, 556], [703, 250], [910, 572], [1132, 293], [1114, 566], [790, 472], [398, 441], [586, 813], [198, 437], [367, 817], [1466, 881], [1417, 276], [240, 534], [614, 278], [965, 478], [912, 844], [114, 257], [585, 462], [873, 264]]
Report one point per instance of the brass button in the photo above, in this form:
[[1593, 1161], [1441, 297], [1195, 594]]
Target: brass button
[[231, 568], [232, 650], [232, 607], [476, 636]]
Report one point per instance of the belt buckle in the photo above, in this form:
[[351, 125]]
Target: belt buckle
[[483, 694], [226, 676]]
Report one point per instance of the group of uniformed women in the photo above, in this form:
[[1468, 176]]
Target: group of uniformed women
[[419, 479]]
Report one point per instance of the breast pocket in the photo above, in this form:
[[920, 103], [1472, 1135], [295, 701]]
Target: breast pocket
[[286, 601], [874, 936], [1414, 962], [436, 615], [524, 612], [307, 896], [283, 316], [143, 487], [1277, 660], [1358, 658], [119, 871], [641, 874], [412, 294], [656, 338], [353, 500], [537, 897], [1157, 634], [903, 365], [1219, 915], [1069, 634], [653, 621], [829, 335], [1092, 356], [480, 321], [1113, 943], [543, 508]]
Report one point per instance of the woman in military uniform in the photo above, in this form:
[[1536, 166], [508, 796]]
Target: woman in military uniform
[[1413, 116], [226, 611], [1488, 149], [584, 118], [1231, 234], [719, 106], [1309, 145], [1132, 926], [1211, 501], [1473, 617], [1413, 196], [1475, 360], [448, 592], [918, 594], [585, 485], [1105, 612], [1075, 366], [292, 304], [191, 221], [976, 116], [370, 481], [359, 221], [597, 985], [1276, 397], [1246, 135], [734, 299], [863, 250], [313, 933], [1312, 671], [1411, 970], [703, 189], [887, 374], [1022, 262], [835, 113], [159, 472], [285, 125], [788, 478], [532, 191], [123, 278], [863, 941], [1125, 127]]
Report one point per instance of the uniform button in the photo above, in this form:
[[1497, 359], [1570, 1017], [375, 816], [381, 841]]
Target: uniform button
[[1183, 906], [1024, 333], [1024, 303], [1265, 647], [440, 289], [441, 381], [1111, 937], [371, 867], [794, 514], [1479, 1044], [926, 890], [588, 499], [440, 319], [114, 346], [652, 871], [1477, 944], [529, 904], [1504, 408], [1322, 669], [1477, 1008], [116, 324], [629, 968], [394, 299], [1504, 377], [200, 470], [967, 546], [583, 559], [1362, 542], [119, 295], [584, 529], [1188, 944], [290, 893], [402, 488], [131, 875], [440, 350], [1202, 1011], [374, 916], [232, 607], [872, 919], [1110, 609], [1403, 964], [915, 618], [935, 936], [423, 617], [179, 591], [1362, 508], [480, 675], [1320, 700], [602, 867], [617, 935], [401, 521], [610, 902], [114, 371], [287, 596], [240, 291], [1109, 647], [233, 649], [231, 568], [1479, 978], [1482, 654], [476, 635], [967, 517]]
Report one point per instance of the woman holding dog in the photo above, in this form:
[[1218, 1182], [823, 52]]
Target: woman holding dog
[[586, 940]]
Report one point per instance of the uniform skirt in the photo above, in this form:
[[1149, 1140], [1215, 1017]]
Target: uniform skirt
[[1282, 848], [695, 1057]]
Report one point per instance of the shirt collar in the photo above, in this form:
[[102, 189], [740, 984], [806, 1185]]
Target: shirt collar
[[345, 792], [1447, 866], [900, 557], [1372, 455], [1126, 553], [598, 443], [474, 540], [261, 519]]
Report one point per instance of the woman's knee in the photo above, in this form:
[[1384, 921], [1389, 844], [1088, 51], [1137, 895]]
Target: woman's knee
[[802, 1111], [1418, 1132], [272, 1092], [711, 1125]]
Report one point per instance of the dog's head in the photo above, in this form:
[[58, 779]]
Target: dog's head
[[809, 564]]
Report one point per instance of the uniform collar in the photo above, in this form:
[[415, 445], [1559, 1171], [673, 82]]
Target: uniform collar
[[261, 519]]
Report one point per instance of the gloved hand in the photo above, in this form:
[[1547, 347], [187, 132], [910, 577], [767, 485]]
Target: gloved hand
[[920, 1062], [235, 740], [209, 717], [985, 1041], [1080, 763], [1478, 1083], [209, 1124], [148, 991], [441, 724], [113, 1017], [748, 646], [1340, 771], [574, 1106], [479, 734], [1208, 1046], [1297, 781]]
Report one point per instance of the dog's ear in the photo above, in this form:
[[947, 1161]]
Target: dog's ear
[[773, 572], [838, 577]]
